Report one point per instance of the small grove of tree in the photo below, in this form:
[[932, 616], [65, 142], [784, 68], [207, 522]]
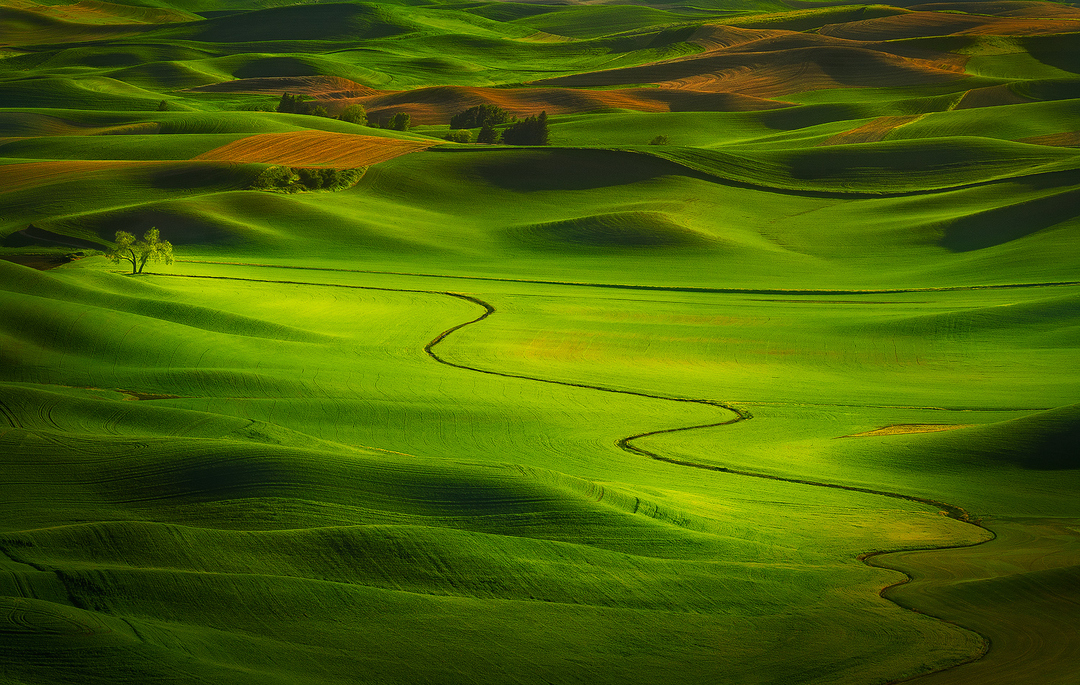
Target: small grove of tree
[[399, 122], [487, 134], [354, 114], [162, 106], [295, 104], [283, 179], [459, 136], [149, 248], [528, 131], [481, 115], [659, 140]]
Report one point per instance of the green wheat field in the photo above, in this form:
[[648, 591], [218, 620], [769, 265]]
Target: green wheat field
[[765, 368]]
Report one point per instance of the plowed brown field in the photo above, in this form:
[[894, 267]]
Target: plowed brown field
[[313, 148]]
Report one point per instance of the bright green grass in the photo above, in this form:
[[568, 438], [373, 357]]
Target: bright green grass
[[1030, 569], [250, 471], [502, 544], [144, 147], [411, 210], [1010, 122]]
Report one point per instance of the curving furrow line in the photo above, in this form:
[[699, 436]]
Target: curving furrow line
[[951, 510]]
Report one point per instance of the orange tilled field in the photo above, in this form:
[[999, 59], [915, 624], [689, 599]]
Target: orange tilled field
[[313, 148]]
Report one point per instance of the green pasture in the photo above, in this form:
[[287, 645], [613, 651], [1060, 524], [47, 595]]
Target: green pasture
[[599, 411], [560, 495]]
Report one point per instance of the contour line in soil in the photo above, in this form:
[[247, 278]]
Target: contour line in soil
[[951, 510]]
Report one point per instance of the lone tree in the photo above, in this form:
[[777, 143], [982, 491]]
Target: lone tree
[[399, 122], [151, 248], [354, 114]]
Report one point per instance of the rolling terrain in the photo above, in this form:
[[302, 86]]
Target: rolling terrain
[[764, 370]]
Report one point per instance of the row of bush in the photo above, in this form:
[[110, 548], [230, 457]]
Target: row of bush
[[528, 131], [285, 179], [531, 130], [354, 113]]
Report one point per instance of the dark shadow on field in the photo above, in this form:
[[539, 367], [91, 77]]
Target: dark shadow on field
[[1061, 50], [275, 67], [1005, 224], [201, 175], [176, 227], [615, 230], [792, 118], [1044, 441], [35, 236], [560, 169]]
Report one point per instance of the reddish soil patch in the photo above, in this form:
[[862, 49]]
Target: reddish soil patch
[[322, 87], [313, 148], [1069, 139], [871, 132]]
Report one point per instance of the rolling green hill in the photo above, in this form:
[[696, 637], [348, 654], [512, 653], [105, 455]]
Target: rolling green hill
[[764, 370]]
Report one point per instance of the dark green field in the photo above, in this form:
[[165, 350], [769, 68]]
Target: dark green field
[[765, 369]]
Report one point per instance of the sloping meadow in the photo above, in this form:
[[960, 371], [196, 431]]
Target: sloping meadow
[[789, 290]]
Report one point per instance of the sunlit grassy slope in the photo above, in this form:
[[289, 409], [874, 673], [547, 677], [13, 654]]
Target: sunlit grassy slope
[[600, 411]]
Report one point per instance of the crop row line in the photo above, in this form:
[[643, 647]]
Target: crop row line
[[626, 444], [657, 288]]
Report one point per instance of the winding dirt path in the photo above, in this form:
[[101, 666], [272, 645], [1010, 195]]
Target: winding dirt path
[[872, 559]]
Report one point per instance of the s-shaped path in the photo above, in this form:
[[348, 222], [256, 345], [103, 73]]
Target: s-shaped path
[[627, 443]]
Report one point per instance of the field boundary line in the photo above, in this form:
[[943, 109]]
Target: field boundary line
[[658, 288], [950, 510]]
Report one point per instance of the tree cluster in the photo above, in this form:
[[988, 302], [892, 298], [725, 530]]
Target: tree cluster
[[528, 131], [354, 114], [481, 115], [285, 179], [296, 104], [150, 248]]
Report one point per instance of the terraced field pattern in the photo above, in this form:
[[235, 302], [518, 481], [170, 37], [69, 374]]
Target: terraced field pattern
[[766, 369]]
